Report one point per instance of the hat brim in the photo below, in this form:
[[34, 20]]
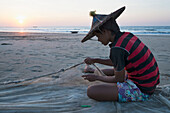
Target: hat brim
[[113, 15]]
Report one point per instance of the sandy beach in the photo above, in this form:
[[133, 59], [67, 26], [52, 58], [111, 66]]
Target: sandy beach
[[27, 55]]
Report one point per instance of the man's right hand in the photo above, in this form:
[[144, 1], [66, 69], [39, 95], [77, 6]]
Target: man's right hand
[[89, 61]]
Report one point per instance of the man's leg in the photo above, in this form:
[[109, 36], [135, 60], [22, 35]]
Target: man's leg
[[103, 92]]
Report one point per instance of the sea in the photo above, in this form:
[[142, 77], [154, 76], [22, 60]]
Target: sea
[[147, 30]]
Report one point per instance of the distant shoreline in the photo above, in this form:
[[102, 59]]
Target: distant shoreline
[[137, 30], [52, 34]]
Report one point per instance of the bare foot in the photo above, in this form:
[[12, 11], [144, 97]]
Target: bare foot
[[88, 69]]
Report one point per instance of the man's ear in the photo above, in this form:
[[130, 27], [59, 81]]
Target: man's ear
[[104, 30]]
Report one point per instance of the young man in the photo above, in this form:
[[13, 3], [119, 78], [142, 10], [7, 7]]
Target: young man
[[127, 55]]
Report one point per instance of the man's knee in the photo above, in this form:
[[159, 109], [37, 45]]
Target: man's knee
[[103, 92], [91, 92]]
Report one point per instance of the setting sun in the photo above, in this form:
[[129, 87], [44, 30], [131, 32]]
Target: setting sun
[[20, 19]]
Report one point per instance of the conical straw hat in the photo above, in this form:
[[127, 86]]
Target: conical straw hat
[[99, 20]]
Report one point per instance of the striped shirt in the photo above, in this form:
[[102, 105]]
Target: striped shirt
[[138, 61]]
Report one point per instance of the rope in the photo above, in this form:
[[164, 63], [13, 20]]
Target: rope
[[101, 72], [28, 79]]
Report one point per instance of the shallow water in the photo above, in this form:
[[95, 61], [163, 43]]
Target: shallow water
[[32, 56]]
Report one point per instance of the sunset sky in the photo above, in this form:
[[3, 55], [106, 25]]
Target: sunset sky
[[17, 13]]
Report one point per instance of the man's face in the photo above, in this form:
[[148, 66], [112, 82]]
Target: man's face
[[103, 36]]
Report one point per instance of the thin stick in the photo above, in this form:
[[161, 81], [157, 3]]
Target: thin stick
[[73, 66], [101, 72], [28, 79]]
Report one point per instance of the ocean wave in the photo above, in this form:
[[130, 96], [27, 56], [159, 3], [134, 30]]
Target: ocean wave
[[85, 29]]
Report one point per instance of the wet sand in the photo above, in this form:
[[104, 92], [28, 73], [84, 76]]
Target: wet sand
[[27, 55]]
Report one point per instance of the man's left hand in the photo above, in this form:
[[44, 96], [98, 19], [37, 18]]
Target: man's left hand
[[90, 77]]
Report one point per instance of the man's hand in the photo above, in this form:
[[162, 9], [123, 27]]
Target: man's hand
[[90, 77], [89, 61]]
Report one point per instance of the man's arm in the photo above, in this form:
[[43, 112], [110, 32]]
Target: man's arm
[[119, 77], [107, 62]]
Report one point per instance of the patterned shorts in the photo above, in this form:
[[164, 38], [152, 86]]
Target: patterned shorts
[[129, 92]]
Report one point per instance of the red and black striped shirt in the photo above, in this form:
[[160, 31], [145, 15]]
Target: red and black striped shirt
[[140, 63]]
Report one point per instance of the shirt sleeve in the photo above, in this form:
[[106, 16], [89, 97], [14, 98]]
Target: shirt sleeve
[[118, 57]]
